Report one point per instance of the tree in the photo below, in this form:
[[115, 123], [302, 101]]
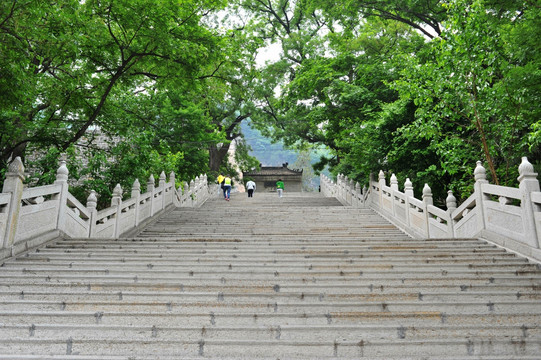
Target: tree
[[72, 59], [473, 90]]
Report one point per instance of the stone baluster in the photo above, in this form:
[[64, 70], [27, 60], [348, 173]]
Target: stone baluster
[[191, 194], [450, 202], [427, 195], [173, 185], [480, 174], [92, 206], [151, 185], [162, 181], [427, 200], [358, 194], [161, 185], [408, 192], [365, 189], [408, 188], [347, 191], [186, 194], [527, 184], [394, 187], [136, 189], [351, 192], [62, 180], [339, 186], [136, 194], [13, 184], [394, 182], [381, 181], [196, 190], [116, 200]]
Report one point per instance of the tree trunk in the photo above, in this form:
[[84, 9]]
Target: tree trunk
[[216, 157]]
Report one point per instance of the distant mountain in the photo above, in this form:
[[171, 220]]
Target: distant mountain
[[272, 154], [267, 153]]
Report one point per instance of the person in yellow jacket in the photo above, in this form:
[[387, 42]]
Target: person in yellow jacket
[[227, 187], [220, 180]]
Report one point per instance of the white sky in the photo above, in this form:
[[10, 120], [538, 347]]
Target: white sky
[[269, 53]]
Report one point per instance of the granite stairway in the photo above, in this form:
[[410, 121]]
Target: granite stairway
[[300, 277]]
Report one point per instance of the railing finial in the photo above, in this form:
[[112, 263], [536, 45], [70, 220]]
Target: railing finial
[[92, 200], [451, 201], [62, 172], [480, 172]]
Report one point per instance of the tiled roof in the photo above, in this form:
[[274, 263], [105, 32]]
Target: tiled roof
[[274, 170]]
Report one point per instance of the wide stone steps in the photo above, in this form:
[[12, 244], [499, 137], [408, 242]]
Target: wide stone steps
[[260, 349], [265, 278]]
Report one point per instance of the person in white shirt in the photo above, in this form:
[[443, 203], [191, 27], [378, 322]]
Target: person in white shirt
[[250, 186]]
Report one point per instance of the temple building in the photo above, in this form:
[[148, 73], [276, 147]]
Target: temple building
[[267, 176]]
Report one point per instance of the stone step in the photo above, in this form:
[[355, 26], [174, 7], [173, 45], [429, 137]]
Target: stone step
[[300, 304], [221, 348], [261, 333], [207, 265], [22, 288], [300, 277], [248, 317], [268, 294], [275, 251], [240, 278]]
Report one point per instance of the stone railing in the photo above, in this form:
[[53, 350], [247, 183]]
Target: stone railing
[[31, 216], [509, 217]]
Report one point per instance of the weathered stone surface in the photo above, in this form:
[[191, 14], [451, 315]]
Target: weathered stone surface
[[301, 277]]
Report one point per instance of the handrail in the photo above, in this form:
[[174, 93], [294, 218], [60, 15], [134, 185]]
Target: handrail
[[509, 217], [32, 216]]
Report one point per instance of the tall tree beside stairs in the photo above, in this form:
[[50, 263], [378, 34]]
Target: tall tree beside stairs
[[218, 153]]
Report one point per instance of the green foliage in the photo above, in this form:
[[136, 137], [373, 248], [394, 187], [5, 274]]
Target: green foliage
[[73, 67], [473, 93], [421, 89]]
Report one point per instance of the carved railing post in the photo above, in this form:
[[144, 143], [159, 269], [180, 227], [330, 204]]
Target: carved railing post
[[427, 195], [480, 174], [151, 183], [358, 195], [173, 186], [13, 184], [186, 194], [92, 205], [116, 200], [408, 192], [161, 184], [394, 187], [62, 180], [191, 193], [527, 184], [408, 187], [427, 200], [196, 190], [450, 202], [136, 194], [347, 190], [394, 182], [381, 180]]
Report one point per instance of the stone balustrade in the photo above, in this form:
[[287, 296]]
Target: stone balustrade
[[30, 217], [508, 217]]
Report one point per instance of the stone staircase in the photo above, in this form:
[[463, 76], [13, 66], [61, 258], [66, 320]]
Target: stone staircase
[[300, 277]]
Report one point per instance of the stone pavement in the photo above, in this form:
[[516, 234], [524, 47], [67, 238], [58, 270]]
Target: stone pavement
[[300, 277]]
